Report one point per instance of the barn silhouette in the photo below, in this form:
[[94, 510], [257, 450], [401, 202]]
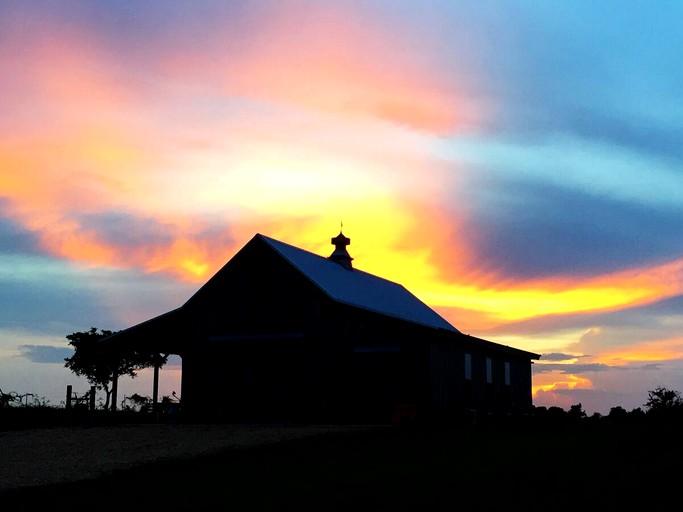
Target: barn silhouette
[[283, 334]]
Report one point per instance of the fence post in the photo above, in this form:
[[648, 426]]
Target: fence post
[[68, 396]]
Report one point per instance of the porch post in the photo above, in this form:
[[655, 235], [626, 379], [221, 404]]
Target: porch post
[[114, 389], [155, 389]]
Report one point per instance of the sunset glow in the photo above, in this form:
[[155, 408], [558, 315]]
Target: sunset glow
[[562, 382], [528, 195]]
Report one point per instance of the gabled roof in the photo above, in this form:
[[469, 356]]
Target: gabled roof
[[358, 288]]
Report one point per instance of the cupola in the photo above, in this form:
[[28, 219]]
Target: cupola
[[340, 254]]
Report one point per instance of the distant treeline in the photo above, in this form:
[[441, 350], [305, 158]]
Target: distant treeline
[[31, 411]]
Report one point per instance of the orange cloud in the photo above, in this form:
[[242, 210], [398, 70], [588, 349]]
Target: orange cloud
[[59, 78], [497, 299], [47, 197], [187, 258], [644, 352], [552, 381], [339, 62]]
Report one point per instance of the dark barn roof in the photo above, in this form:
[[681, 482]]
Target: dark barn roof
[[358, 288], [340, 282]]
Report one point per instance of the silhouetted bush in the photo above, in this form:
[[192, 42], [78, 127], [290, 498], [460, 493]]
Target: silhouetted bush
[[17, 411]]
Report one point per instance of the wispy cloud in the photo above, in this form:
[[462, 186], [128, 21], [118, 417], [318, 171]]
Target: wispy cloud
[[45, 353]]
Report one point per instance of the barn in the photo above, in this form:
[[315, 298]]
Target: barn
[[283, 334]]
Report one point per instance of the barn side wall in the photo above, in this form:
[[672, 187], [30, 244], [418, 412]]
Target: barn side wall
[[265, 344]]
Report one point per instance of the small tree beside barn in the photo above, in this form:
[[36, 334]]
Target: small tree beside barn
[[102, 367]]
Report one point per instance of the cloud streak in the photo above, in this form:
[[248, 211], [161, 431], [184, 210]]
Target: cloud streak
[[45, 353]]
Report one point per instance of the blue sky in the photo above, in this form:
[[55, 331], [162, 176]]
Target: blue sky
[[516, 165]]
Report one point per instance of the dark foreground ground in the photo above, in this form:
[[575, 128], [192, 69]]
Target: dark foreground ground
[[598, 467]]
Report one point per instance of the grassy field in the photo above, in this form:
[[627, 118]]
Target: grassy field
[[601, 466]]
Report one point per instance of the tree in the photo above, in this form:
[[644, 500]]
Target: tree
[[100, 365], [617, 413], [7, 399], [664, 402], [576, 412]]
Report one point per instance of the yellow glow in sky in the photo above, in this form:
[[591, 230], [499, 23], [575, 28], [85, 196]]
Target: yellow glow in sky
[[554, 380]]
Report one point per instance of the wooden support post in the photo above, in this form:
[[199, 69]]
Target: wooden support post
[[155, 388], [114, 390], [68, 396]]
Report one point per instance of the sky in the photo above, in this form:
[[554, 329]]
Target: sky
[[518, 166]]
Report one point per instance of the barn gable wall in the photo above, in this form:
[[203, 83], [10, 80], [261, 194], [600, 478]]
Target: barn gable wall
[[253, 321]]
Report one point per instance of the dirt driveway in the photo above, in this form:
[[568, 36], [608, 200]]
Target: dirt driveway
[[66, 454]]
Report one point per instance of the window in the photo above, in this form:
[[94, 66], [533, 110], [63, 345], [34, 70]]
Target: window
[[468, 366], [507, 373], [489, 371]]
